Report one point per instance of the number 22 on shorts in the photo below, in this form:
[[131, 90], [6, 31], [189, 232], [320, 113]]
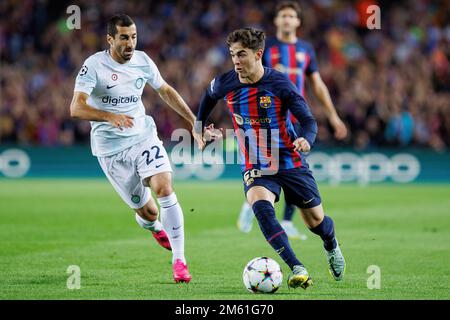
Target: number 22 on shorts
[[146, 154]]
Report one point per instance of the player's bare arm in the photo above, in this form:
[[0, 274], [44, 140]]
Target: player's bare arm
[[176, 102], [321, 92], [81, 110]]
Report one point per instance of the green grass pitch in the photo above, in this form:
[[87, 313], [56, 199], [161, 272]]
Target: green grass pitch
[[48, 225]]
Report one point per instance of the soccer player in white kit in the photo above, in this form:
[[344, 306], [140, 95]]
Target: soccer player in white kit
[[108, 92]]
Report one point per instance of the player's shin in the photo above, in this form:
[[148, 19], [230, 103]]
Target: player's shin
[[326, 231], [173, 222], [273, 232]]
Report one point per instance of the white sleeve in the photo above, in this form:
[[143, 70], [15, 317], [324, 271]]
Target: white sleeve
[[154, 77], [87, 77]]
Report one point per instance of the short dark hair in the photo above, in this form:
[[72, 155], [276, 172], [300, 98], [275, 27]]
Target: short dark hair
[[121, 20], [289, 4], [248, 37]]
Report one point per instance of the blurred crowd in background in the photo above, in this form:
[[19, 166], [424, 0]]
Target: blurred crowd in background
[[390, 86]]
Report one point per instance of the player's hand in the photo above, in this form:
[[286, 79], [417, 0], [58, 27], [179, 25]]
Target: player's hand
[[340, 130], [301, 144], [212, 133], [199, 138], [121, 121]]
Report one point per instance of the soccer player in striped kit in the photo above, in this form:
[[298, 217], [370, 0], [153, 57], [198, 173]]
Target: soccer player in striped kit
[[259, 99], [296, 58]]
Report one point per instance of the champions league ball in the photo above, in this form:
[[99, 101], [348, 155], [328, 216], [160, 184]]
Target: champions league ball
[[262, 275]]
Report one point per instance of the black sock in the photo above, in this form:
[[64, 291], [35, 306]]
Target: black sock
[[273, 232], [326, 231], [289, 210]]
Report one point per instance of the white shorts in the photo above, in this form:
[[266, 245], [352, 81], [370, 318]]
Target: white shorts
[[128, 169]]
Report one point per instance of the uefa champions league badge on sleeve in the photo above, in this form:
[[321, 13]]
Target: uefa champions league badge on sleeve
[[83, 70]]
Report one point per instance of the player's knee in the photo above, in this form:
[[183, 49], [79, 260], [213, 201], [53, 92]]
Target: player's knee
[[161, 184], [313, 216], [258, 193], [313, 222], [163, 190]]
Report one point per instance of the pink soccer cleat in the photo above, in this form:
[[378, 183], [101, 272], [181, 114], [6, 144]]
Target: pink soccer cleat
[[162, 239], [181, 272]]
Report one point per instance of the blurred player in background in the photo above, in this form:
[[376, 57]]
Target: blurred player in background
[[296, 58], [259, 99], [108, 92]]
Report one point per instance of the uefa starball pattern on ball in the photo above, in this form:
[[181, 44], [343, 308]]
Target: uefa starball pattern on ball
[[262, 275]]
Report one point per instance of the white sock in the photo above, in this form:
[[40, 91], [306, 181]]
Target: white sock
[[173, 223], [149, 225]]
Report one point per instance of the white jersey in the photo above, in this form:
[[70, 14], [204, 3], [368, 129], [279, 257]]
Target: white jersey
[[118, 88]]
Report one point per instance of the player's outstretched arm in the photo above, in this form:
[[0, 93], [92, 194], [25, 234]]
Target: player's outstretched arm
[[321, 92], [81, 110], [176, 102]]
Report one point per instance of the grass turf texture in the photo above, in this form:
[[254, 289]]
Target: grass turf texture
[[47, 225]]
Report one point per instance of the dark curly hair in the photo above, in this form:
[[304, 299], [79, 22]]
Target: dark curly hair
[[248, 37]]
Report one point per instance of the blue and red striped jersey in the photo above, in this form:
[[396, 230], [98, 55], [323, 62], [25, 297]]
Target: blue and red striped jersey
[[296, 60], [259, 115]]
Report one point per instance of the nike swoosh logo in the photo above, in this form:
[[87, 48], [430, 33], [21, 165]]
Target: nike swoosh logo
[[109, 87], [336, 273], [306, 202], [176, 228], [159, 165]]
